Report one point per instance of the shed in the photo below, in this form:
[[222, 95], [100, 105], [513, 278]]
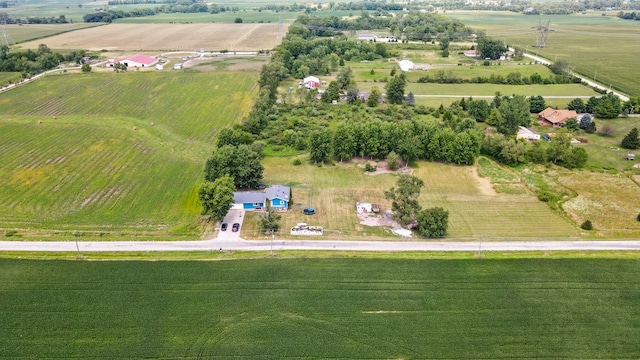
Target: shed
[[363, 207], [311, 82], [367, 37], [406, 65], [527, 134]]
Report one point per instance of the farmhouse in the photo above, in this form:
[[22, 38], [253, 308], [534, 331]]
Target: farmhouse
[[134, 61], [278, 197], [311, 82], [555, 118], [406, 65], [527, 134], [249, 200]]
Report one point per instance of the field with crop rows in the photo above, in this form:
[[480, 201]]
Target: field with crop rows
[[168, 37], [311, 308], [22, 33], [113, 154], [590, 43], [474, 209]]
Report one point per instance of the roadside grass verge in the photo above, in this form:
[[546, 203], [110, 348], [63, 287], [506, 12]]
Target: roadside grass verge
[[375, 308]]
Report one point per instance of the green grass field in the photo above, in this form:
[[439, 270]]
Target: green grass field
[[589, 42], [113, 155], [475, 208], [314, 308]]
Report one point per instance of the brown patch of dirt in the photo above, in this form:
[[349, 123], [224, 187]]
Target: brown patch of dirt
[[381, 167], [483, 184]]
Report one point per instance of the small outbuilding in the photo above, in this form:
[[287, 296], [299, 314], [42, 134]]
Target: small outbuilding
[[367, 37], [311, 82], [527, 134], [406, 65]]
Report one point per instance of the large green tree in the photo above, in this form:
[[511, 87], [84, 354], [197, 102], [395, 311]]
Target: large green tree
[[515, 112], [404, 198], [490, 48], [321, 145], [608, 107], [631, 140], [216, 197], [240, 162], [395, 89], [433, 222]]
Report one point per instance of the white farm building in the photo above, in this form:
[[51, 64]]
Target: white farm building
[[135, 61], [406, 65]]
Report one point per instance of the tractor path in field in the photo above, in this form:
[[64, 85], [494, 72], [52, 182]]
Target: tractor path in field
[[337, 245]]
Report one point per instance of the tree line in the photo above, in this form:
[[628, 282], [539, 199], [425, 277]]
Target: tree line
[[113, 14], [512, 78], [37, 20], [29, 62]]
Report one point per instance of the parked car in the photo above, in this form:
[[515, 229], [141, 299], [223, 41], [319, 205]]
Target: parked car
[[223, 227], [259, 186], [309, 211], [235, 227]]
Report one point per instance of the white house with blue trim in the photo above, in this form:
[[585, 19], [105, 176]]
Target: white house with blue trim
[[278, 197]]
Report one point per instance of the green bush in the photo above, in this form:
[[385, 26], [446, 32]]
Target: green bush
[[297, 162], [587, 225], [10, 233], [638, 217], [369, 168]]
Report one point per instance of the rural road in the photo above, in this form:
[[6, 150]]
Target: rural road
[[339, 245]]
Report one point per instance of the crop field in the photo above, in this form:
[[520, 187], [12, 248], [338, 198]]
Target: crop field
[[167, 37], [475, 208], [315, 308], [22, 33], [590, 43], [114, 155]]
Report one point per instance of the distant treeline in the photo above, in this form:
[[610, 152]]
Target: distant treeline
[[181, 7], [513, 78], [539, 8], [134, 2], [416, 26], [629, 16], [37, 20]]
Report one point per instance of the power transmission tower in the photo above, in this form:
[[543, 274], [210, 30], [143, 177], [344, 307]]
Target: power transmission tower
[[280, 30], [6, 39], [541, 34]]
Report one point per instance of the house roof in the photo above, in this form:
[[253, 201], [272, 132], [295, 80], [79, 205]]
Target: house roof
[[311, 78], [242, 197], [471, 53], [278, 192], [557, 116], [141, 59]]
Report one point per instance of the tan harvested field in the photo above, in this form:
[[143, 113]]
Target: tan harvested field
[[167, 37], [20, 33]]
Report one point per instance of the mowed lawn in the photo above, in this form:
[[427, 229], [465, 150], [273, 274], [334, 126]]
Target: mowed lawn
[[474, 209], [114, 155], [578, 39], [315, 308]]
